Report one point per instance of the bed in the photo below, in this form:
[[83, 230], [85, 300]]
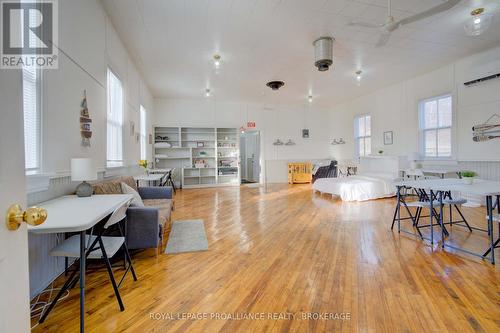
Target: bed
[[375, 180]]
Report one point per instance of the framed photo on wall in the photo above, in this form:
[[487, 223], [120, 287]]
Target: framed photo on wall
[[388, 138], [305, 133]]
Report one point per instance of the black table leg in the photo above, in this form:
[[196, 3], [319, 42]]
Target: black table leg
[[491, 250], [82, 281], [431, 213]]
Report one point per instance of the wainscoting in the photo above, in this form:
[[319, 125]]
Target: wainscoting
[[44, 268]]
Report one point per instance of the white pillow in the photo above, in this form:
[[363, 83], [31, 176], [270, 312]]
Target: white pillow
[[136, 200]]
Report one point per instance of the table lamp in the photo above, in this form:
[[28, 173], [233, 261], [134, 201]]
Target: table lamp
[[82, 169], [413, 157]]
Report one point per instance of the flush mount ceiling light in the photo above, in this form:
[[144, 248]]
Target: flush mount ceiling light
[[275, 85], [478, 23], [217, 61], [207, 92]]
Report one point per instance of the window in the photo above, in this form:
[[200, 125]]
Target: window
[[114, 152], [143, 133], [31, 110], [362, 135], [435, 127]]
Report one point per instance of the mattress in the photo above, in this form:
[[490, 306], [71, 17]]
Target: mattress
[[363, 187]]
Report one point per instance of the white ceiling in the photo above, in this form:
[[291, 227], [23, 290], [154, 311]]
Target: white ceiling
[[173, 42]]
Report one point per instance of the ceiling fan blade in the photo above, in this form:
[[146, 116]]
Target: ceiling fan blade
[[430, 12], [364, 24], [383, 39]]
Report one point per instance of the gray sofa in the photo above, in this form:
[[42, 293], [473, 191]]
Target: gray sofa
[[145, 225]]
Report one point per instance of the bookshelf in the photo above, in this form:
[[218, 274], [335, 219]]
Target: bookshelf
[[201, 156]]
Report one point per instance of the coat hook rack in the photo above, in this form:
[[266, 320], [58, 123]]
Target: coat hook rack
[[338, 141]]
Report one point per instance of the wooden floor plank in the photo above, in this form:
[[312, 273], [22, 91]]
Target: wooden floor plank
[[282, 249]]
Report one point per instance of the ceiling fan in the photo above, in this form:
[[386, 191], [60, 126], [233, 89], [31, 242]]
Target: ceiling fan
[[391, 24]]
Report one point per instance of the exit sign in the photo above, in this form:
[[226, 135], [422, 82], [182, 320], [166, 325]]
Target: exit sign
[[251, 124]]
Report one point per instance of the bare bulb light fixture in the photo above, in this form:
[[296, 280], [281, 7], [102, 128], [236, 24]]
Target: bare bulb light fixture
[[358, 75], [310, 98], [478, 23], [207, 92], [217, 61]]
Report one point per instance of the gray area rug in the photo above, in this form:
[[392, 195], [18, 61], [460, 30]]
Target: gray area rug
[[187, 236]]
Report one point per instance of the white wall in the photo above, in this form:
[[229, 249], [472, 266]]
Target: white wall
[[280, 122], [88, 44], [394, 108]]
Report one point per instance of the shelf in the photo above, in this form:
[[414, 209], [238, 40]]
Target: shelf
[[207, 176], [229, 175], [172, 158], [190, 168]]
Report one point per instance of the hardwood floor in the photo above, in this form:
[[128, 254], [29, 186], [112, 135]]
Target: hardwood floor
[[282, 249]]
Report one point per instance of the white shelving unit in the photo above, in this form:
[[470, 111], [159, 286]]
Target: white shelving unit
[[202, 157]]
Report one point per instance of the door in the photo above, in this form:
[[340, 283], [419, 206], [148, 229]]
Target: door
[[253, 156], [14, 278]]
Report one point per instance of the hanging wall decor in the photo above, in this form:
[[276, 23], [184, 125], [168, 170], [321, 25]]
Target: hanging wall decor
[[486, 131], [85, 122]]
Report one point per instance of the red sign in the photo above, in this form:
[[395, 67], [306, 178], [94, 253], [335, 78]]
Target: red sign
[[251, 124]]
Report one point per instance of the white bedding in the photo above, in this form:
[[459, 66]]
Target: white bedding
[[363, 187]]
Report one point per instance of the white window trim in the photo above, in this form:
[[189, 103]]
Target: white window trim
[[114, 165], [143, 132], [357, 136], [421, 137], [39, 102]]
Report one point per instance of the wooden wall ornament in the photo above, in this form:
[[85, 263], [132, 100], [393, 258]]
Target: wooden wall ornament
[[85, 122]]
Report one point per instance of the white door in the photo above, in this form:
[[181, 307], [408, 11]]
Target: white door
[[14, 279]]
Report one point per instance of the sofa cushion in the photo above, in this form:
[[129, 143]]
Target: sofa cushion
[[136, 198], [164, 209], [113, 186]]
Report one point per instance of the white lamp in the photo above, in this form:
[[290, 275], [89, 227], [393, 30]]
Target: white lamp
[[413, 157], [83, 169]]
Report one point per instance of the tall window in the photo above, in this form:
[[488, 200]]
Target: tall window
[[31, 110], [115, 121], [362, 135], [143, 133], [435, 127]]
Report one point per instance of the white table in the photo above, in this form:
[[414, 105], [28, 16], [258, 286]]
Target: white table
[[73, 214], [162, 171], [488, 189], [153, 178], [442, 171]]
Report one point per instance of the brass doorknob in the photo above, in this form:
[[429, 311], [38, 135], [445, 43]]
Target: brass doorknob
[[33, 216]]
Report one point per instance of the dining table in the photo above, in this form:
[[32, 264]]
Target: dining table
[[437, 188]]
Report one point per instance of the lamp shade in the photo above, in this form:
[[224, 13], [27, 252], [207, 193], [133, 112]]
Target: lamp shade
[[83, 169], [413, 156]]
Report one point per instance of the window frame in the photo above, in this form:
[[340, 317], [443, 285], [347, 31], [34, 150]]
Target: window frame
[[38, 111], [143, 132], [422, 130], [110, 164], [358, 137]]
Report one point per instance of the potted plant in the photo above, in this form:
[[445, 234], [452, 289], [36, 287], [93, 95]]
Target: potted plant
[[468, 176]]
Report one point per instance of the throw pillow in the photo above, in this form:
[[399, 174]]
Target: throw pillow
[[136, 200]]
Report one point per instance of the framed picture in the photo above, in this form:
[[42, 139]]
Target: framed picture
[[388, 138], [200, 144], [305, 133], [150, 139]]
